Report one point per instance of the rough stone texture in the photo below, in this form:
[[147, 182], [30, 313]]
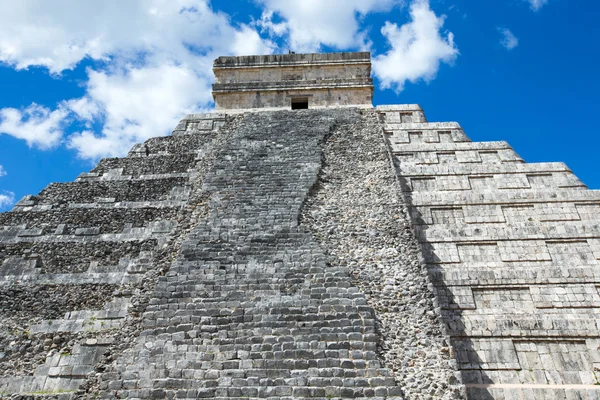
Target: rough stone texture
[[359, 217], [74, 254], [251, 309], [512, 250], [109, 221], [271, 82], [77, 260]]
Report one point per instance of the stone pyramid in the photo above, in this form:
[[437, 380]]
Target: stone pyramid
[[269, 251]]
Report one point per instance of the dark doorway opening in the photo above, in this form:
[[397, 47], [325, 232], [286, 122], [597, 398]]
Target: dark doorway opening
[[300, 103]]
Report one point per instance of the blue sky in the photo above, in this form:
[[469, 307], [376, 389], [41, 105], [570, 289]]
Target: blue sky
[[83, 79]]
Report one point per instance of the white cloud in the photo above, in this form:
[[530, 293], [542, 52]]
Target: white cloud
[[2, 171], [6, 199], [417, 49], [536, 5], [37, 125], [508, 40], [313, 23], [58, 34], [137, 104], [158, 58]]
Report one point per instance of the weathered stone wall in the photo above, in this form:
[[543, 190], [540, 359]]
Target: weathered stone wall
[[278, 99], [308, 60], [76, 260], [220, 289], [251, 308], [270, 82], [358, 216], [268, 74], [512, 250]]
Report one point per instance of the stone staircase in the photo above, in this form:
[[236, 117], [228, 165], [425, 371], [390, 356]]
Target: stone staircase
[[268, 255], [251, 309]]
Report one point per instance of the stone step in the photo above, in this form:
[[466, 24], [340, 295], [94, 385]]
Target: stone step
[[511, 325], [499, 274], [105, 203], [454, 157], [409, 171], [116, 176], [507, 196], [195, 124], [516, 253], [63, 388], [521, 296], [77, 325], [67, 222], [36, 278], [517, 213], [533, 391], [171, 145], [416, 148], [155, 230], [500, 182], [271, 392], [68, 257], [439, 132], [136, 190], [511, 235], [401, 113], [151, 165]]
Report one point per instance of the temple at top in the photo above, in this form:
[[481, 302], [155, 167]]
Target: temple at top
[[293, 81]]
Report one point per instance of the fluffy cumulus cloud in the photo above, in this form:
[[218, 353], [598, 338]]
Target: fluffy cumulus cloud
[[151, 60], [136, 104], [37, 125], [154, 64], [416, 49], [60, 33], [309, 24], [508, 40], [537, 4], [7, 199]]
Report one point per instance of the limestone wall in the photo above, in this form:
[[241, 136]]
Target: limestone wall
[[278, 99], [318, 72], [265, 266], [512, 249], [359, 218], [250, 308], [258, 82]]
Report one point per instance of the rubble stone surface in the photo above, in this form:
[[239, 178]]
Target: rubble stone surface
[[358, 215]]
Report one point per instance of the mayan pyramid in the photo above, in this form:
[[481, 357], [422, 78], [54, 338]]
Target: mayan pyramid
[[299, 243]]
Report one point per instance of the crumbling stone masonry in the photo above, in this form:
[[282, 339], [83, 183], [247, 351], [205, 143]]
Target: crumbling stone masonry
[[250, 309], [77, 260], [331, 253]]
